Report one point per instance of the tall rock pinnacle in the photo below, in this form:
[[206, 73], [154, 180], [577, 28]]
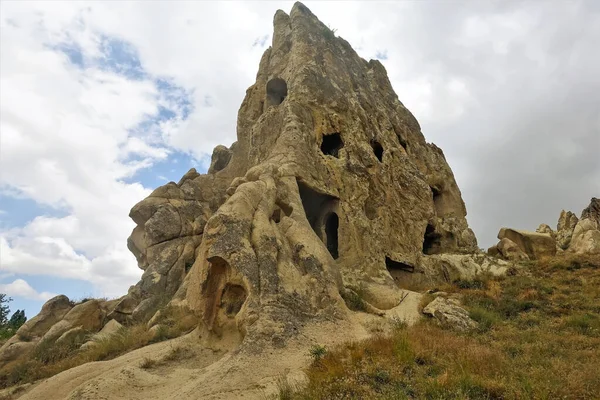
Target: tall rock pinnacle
[[329, 191]]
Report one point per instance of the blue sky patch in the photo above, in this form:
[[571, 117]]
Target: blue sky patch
[[18, 211], [170, 169]]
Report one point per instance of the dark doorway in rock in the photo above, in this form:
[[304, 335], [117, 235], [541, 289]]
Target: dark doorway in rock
[[432, 241], [314, 204], [276, 91], [332, 144], [400, 271], [332, 224], [377, 150], [319, 209]]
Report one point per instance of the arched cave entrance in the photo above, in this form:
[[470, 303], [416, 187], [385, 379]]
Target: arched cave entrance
[[332, 223], [276, 91], [319, 209], [332, 144]]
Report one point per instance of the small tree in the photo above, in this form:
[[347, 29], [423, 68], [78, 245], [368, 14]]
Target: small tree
[[4, 309], [17, 319]]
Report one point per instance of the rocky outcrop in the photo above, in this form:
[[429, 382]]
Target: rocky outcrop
[[520, 245], [592, 211], [581, 236], [330, 192], [509, 250], [586, 237], [564, 229]]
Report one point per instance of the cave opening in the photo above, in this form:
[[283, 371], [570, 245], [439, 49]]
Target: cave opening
[[432, 241], [377, 150], [332, 144], [319, 209], [398, 270], [332, 224], [276, 91]]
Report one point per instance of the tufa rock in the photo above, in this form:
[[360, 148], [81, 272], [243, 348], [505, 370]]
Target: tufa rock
[[534, 245], [509, 250], [545, 228], [586, 237], [88, 316], [330, 192], [564, 229], [592, 211]]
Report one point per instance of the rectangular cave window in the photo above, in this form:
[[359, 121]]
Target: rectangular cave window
[[332, 144], [432, 241], [318, 209]]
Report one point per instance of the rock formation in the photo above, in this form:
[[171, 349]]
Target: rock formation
[[329, 193], [581, 236]]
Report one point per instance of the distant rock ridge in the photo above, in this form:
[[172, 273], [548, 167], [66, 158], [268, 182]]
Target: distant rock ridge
[[575, 235]]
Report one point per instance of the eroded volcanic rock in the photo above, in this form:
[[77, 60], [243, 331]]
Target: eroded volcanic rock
[[329, 193]]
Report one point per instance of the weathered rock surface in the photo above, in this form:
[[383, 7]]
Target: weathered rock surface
[[509, 250], [586, 237], [329, 190], [88, 316], [534, 245], [592, 211], [564, 229], [448, 312]]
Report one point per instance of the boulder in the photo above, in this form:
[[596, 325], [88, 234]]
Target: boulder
[[586, 237], [545, 228], [510, 251], [447, 312], [52, 312], [88, 316], [534, 245]]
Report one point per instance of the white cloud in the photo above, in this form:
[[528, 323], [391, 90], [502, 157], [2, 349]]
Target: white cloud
[[21, 288]]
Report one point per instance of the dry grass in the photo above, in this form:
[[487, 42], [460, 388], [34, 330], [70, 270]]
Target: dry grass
[[539, 338], [49, 359]]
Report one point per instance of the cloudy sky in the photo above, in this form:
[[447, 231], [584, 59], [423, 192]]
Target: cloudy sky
[[103, 101]]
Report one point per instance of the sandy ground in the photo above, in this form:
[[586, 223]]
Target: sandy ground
[[202, 373]]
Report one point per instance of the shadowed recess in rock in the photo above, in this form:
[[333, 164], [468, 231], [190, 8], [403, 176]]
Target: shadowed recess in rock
[[377, 150], [332, 144], [319, 209], [398, 270], [432, 242], [276, 91], [332, 224]]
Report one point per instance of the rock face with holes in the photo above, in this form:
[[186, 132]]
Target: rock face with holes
[[330, 187], [330, 192]]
